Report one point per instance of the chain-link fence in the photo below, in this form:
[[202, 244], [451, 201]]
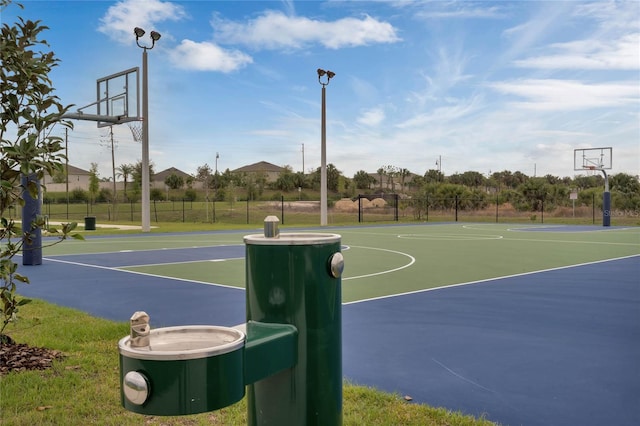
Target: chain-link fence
[[363, 209]]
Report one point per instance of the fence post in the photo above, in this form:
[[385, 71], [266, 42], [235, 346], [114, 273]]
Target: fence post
[[183, 210], [359, 208], [155, 210], [397, 206], [282, 209], [542, 210], [497, 204], [456, 207], [247, 210], [427, 207], [593, 208]]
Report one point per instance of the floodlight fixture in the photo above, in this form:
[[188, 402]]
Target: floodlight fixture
[[322, 73], [139, 32]]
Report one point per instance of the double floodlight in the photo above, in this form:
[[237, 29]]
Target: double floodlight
[[139, 32], [322, 73]]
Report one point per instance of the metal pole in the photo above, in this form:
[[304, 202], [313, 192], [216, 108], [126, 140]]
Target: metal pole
[[323, 162], [66, 166], [606, 201], [146, 226]]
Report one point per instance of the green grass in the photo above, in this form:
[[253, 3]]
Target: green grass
[[83, 388]]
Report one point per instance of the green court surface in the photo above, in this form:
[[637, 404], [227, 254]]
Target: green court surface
[[386, 260]]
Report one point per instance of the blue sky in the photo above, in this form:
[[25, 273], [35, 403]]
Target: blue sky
[[483, 86]]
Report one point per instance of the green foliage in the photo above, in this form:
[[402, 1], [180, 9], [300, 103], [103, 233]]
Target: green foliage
[[78, 196], [94, 181], [29, 111], [174, 181], [363, 180], [190, 195], [156, 194], [105, 195]]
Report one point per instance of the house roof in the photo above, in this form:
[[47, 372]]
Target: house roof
[[261, 166], [161, 176], [73, 170]]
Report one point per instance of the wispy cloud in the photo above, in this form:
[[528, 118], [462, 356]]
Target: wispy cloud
[[372, 117], [275, 30], [455, 10], [564, 95], [619, 54]]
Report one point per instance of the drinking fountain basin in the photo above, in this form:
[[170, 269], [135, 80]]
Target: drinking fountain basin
[[182, 370]]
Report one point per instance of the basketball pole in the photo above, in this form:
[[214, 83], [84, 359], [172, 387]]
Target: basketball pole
[[146, 211], [606, 201]]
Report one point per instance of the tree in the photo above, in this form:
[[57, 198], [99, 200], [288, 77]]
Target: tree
[[94, 181], [29, 111], [124, 171], [625, 183], [404, 174], [333, 177], [174, 181], [137, 174], [363, 180], [286, 180], [381, 172], [433, 176]]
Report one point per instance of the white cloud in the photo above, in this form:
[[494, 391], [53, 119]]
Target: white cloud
[[620, 54], [563, 95], [121, 18], [274, 30], [205, 56], [372, 117]]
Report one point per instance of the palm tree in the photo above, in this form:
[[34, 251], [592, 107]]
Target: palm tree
[[124, 171]]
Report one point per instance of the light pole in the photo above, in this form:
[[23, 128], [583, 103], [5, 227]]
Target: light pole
[[146, 210], [323, 155]]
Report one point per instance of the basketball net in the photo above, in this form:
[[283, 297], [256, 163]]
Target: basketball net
[[136, 130]]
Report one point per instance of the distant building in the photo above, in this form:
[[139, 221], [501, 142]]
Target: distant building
[[157, 180], [78, 179], [270, 171]]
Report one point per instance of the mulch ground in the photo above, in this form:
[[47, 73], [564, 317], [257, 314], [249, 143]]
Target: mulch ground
[[22, 357]]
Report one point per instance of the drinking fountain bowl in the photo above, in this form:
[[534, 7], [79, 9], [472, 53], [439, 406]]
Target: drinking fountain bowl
[[182, 370]]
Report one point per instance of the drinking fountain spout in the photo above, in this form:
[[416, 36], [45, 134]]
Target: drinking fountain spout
[[140, 329]]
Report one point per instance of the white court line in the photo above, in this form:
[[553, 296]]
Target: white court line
[[143, 273], [489, 279], [178, 263], [144, 250], [413, 260]]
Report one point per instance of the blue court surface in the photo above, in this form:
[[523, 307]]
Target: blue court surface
[[558, 345]]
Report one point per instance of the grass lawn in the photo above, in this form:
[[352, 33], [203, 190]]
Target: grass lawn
[[84, 388]]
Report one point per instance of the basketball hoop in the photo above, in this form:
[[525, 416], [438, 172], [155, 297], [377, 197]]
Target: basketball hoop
[[136, 130]]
